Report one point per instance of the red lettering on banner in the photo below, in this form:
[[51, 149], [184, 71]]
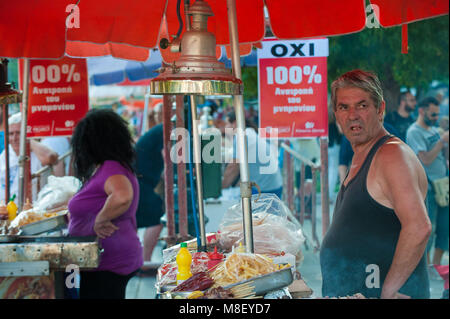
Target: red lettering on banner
[[58, 96], [293, 88]]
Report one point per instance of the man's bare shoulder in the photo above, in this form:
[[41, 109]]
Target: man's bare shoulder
[[396, 162], [396, 152]]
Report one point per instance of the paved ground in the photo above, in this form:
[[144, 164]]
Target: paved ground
[[144, 288]]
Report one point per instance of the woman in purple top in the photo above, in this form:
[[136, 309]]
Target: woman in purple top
[[106, 204]]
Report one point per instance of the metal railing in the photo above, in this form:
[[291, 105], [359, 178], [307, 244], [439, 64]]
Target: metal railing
[[290, 156], [42, 173]]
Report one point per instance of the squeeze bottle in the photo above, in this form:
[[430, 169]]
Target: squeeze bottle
[[184, 260], [215, 258], [12, 208]]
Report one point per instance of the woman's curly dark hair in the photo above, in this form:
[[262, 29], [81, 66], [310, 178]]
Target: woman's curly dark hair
[[100, 136]]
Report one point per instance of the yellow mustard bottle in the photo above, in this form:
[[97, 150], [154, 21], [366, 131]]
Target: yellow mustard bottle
[[184, 260], [12, 208]]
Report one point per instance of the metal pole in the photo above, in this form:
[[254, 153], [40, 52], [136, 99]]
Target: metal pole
[[6, 134], [246, 188], [324, 184], [302, 193], [23, 134], [198, 173], [168, 171], [144, 126], [313, 210], [181, 173], [290, 180]]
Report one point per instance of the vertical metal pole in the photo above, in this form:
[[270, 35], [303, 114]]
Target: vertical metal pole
[[302, 193], [246, 188], [144, 126], [168, 171], [198, 173], [290, 179], [181, 173], [324, 184], [23, 134], [313, 209], [6, 134]]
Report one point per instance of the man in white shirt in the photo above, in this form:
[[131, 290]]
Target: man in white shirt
[[40, 156], [262, 161]]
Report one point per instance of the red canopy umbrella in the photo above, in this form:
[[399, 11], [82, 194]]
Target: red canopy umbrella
[[50, 29]]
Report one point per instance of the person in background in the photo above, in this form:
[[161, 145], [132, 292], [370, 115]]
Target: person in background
[[105, 206], [376, 242], [40, 156], [149, 167], [266, 175], [424, 138], [402, 118], [61, 145], [334, 140], [155, 115], [2, 131]]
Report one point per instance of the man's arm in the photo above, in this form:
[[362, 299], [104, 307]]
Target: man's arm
[[59, 169], [230, 174], [45, 154], [428, 157], [403, 182]]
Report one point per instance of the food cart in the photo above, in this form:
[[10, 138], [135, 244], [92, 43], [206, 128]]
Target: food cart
[[305, 23], [226, 270], [34, 257]]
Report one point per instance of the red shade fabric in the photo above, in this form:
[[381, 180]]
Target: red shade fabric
[[37, 28], [23, 33], [132, 22], [392, 13], [294, 19], [117, 50]]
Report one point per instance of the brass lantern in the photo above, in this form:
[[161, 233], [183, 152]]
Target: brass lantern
[[197, 71]]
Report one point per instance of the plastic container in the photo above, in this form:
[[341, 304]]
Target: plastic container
[[215, 258], [12, 208], [184, 260]]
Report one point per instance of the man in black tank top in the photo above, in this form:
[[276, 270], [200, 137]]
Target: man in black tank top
[[376, 242]]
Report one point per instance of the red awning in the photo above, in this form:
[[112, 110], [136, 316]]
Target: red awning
[[37, 28]]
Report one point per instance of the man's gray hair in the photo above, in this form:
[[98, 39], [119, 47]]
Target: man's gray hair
[[15, 118], [363, 80]]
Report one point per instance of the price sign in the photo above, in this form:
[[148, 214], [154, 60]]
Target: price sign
[[58, 96], [292, 79]]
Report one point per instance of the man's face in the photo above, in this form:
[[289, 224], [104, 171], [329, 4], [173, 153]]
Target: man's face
[[14, 137], [410, 103], [357, 115], [431, 115]]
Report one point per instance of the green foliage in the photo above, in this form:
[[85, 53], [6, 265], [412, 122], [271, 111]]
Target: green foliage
[[250, 80], [379, 50], [13, 72]]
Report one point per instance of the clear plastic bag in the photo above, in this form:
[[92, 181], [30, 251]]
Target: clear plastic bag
[[273, 232], [57, 192]]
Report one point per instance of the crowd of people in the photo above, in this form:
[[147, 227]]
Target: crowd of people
[[386, 168]]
